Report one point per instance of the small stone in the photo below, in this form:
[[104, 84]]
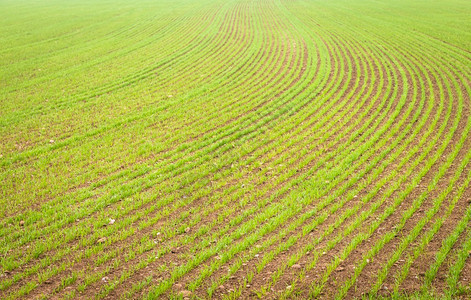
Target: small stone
[[22, 223], [248, 285], [112, 221], [51, 141], [296, 266], [187, 229], [185, 293], [101, 240], [288, 287], [367, 260], [340, 269], [104, 279]]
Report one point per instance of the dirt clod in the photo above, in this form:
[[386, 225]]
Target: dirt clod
[[185, 293]]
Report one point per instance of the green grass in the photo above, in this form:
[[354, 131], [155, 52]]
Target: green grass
[[288, 149]]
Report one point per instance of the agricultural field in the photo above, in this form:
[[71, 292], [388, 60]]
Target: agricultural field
[[197, 149]]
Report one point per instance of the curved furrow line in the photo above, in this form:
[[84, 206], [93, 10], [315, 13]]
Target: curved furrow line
[[235, 149], [426, 237], [35, 150], [435, 157], [451, 239], [423, 95], [337, 129], [305, 232], [371, 267]]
